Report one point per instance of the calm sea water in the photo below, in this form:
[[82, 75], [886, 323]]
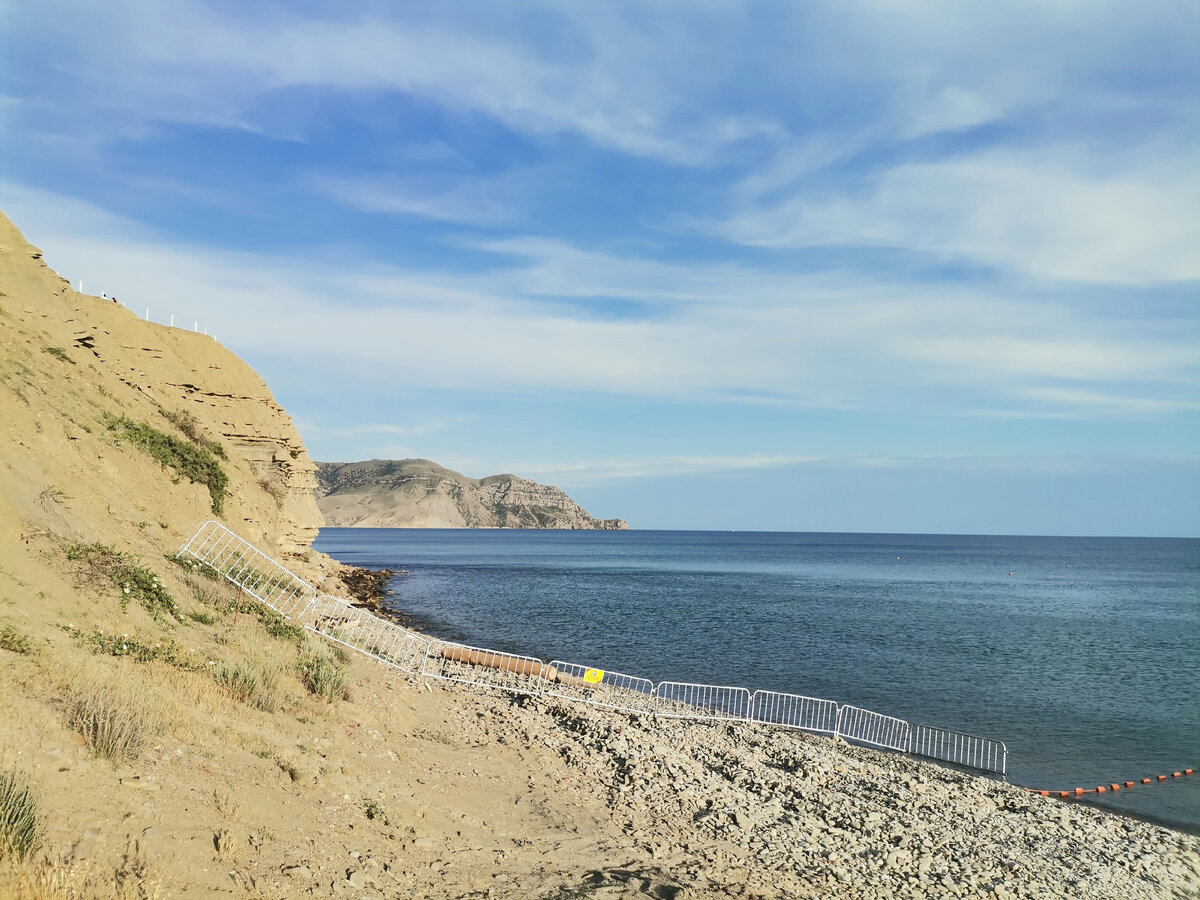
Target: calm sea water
[[1081, 654]]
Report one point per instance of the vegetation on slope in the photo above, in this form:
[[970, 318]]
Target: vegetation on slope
[[198, 463]]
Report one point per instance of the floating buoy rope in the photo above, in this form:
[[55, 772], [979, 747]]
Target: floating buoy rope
[[1112, 787]]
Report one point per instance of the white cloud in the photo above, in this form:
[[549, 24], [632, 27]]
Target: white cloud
[[1053, 216], [715, 331]]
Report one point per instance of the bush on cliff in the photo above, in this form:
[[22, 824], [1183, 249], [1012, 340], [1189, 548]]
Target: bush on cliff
[[194, 462]]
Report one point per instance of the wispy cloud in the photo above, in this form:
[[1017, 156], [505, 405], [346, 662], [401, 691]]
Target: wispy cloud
[[829, 341], [1025, 211]]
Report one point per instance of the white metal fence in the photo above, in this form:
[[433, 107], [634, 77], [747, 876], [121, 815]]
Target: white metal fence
[[679, 700], [601, 687], [872, 728], [358, 629], [794, 711], [961, 749]]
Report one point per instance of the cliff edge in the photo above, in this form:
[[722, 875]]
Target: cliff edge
[[85, 380], [417, 493]]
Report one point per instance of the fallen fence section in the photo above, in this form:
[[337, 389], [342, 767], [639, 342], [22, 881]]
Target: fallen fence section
[[961, 749], [875, 729], [678, 700], [250, 569], [794, 711], [485, 668], [600, 687], [360, 630], [270, 583]]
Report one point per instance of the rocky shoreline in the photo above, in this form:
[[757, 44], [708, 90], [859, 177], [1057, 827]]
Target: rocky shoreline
[[736, 810]]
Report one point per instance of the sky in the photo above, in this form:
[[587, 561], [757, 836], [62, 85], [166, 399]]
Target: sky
[[856, 265]]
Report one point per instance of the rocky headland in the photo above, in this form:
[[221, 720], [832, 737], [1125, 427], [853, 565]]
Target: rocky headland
[[417, 493], [161, 735]]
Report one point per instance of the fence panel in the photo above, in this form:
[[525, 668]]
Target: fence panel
[[961, 749], [486, 668], [600, 687], [678, 700], [872, 728], [250, 569], [794, 711], [361, 630]]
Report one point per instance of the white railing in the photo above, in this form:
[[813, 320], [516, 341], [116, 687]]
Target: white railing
[[872, 728], [486, 668], [794, 711], [601, 687], [250, 569], [358, 629], [679, 700], [960, 749]]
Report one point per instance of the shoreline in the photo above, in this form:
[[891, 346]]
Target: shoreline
[[386, 609]]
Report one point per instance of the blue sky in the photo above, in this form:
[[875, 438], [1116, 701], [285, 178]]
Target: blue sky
[[861, 266]]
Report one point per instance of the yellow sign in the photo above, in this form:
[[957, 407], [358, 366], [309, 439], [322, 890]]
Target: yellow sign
[[593, 676]]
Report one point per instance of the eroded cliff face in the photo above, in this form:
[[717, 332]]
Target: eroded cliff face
[[70, 364], [417, 493]]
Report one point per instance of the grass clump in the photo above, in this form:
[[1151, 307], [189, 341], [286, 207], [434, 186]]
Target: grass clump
[[15, 642], [20, 824], [194, 566], [246, 684], [59, 353], [323, 677], [227, 603], [197, 463], [115, 723], [164, 651], [135, 582]]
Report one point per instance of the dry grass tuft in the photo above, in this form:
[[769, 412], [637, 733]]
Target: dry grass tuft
[[20, 824], [116, 721], [250, 685]]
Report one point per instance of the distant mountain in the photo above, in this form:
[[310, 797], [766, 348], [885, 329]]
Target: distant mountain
[[417, 493]]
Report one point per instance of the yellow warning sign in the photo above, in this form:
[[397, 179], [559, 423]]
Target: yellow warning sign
[[593, 676]]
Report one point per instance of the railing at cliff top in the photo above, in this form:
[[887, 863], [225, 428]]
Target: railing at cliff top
[[336, 620]]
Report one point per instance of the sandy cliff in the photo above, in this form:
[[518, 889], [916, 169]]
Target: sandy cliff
[[417, 493], [70, 360]]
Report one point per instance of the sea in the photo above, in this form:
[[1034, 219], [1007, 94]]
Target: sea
[[1081, 654]]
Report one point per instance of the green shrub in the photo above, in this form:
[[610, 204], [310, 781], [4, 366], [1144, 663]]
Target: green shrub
[[323, 678], [20, 825], [194, 566], [163, 650], [196, 463], [190, 426], [59, 353], [134, 581], [14, 641]]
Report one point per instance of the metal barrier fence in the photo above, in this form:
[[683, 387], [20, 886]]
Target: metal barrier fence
[[872, 728], [678, 700], [250, 569], [601, 687], [794, 711], [961, 749], [485, 668], [358, 629]]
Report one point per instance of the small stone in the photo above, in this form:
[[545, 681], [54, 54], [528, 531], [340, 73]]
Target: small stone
[[298, 872]]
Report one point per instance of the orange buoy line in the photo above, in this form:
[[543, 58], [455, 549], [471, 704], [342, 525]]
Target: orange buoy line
[[1113, 786]]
